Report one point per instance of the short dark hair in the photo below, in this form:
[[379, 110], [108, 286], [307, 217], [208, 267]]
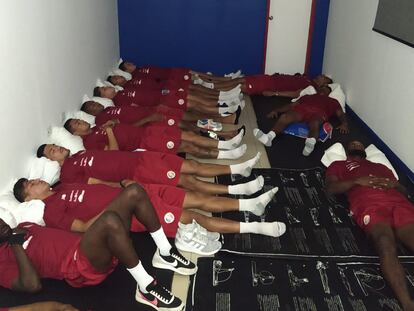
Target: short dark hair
[[97, 91], [109, 79], [68, 126], [19, 190], [122, 66], [330, 81], [41, 151]]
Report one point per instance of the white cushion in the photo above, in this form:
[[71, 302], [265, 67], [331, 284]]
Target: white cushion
[[81, 115], [14, 213], [99, 83], [377, 156], [61, 137], [337, 153], [106, 102], [44, 169], [310, 90], [338, 94]]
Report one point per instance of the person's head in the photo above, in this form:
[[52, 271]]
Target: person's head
[[117, 80], [35, 189], [5, 231], [52, 152], [321, 80], [77, 127], [92, 108], [127, 66], [104, 91], [325, 90], [356, 148]]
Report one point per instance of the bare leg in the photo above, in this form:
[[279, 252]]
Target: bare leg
[[209, 203], [204, 169], [285, 120], [204, 153], [314, 126], [384, 240], [191, 183], [212, 224], [199, 140]]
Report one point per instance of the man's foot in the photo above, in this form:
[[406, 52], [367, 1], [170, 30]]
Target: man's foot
[[309, 146], [195, 242], [265, 139], [159, 298], [174, 262]]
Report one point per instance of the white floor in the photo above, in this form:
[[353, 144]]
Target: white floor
[[248, 118]]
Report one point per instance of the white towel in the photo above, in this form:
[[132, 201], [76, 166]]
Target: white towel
[[310, 90]]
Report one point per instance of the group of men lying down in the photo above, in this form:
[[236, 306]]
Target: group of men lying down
[[107, 190]]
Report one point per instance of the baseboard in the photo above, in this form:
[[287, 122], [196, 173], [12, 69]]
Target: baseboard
[[392, 157]]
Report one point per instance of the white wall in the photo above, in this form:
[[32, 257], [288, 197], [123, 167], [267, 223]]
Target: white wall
[[51, 53], [376, 72]]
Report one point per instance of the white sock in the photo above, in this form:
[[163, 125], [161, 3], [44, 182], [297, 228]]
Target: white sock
[[231, 143], [233, 75], [141, 276], [229, 96], [245, 168], [198, 80], [235, 90], [257, 205], [229, 102], [265, 139], [273, 229], [247, 188], [209, 85], [161, 241], [242, 104], [232, 154], [309, 146]]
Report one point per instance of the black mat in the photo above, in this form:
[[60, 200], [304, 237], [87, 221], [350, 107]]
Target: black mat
[[117, 292], [318, 224], [233, 283]]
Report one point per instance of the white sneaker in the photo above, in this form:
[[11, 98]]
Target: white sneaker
[[196, 243], [195, 226]]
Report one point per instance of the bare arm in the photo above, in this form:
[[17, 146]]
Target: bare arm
[[28, 279], [112, 142], [96, 181], [291, 94], [343, 127], [80, 226], [151, 118]]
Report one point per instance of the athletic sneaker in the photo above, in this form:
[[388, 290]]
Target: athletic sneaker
[[209, 124], [196, 243], [195, 226], [159, 298], [174, 262]]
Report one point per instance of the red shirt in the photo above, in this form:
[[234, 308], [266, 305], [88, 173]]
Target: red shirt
[[137, 97], [104, 165], [76, 201], [285, 83], [47, 248], [359, 195], [129, 137], [125, 114]]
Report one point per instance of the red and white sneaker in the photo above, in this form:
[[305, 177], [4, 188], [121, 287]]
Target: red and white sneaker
[[159, 298], [209, 124]]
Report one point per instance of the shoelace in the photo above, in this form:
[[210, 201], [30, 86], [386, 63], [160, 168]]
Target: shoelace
[[160, 297], [180, 258]]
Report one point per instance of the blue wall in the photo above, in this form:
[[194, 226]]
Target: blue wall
[[211, 35]]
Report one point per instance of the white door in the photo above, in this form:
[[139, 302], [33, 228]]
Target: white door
[[287, 37]]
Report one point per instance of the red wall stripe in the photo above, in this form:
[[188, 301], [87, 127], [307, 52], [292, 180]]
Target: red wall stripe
[[310, 36]]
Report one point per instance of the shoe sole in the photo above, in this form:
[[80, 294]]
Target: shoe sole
[[145, 302], [182, 247]]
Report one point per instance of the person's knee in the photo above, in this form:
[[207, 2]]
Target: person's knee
[[193, 165], [111, 221], [188, 181], [134, 192]]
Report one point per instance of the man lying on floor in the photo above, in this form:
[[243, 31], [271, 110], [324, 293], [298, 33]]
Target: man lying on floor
[[75, 207], [311, 109], [160, 115], [111, 167], [176, 99], [31, 252], [164, 138], [380, 206]]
